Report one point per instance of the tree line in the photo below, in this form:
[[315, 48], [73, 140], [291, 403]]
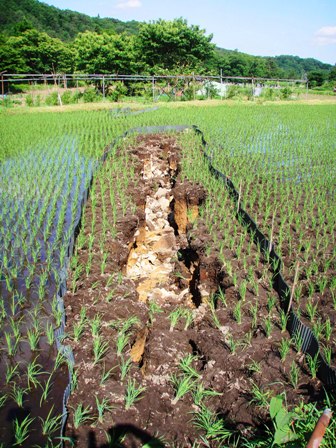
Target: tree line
[[111, 46]]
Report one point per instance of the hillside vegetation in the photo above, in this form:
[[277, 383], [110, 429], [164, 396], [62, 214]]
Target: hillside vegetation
[[17, 15], [37, 38]]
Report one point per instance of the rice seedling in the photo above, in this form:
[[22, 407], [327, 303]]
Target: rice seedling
[[186, 366], [60, 359], [268, 326], [260, 397], [33, 337], [17, 394], [103, 406], [231, 343], [125, 366], [106, 374], [100, 349], [154, 308], [50, 424], [182, 385], [21, 430], [237, 312], [327, 352], [213, 426], [46, 388], [33, 371], [313, 364], [254, 367], [284, 348], [199, 394], [212, 306], [132, 393], [283, 320], [174, 317], [327, 329], [254, 314], [3, 399], [96, 325], [81, 415], [294, 375], [11, 372]]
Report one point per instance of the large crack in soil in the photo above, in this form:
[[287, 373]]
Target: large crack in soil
[[157, 249]]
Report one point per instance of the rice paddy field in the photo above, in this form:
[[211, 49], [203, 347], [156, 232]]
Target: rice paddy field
[[137, 306]]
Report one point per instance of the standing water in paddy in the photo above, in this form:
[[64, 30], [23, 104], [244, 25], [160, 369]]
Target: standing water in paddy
[[41, 197]]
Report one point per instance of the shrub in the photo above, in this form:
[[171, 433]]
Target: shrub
[[286, 92], [232, 91], [91, 95], [29, 100], [52, 99], [67, 97], [117, 91], [77, 95]]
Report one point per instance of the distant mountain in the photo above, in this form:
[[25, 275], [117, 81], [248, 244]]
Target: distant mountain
[[284, 66], [296, 66], [16, 15]]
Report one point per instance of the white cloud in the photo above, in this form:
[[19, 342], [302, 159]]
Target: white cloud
[[326, 35], [127, 4]]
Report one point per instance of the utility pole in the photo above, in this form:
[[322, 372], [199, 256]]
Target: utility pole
[[194, 81], [3, 84], [221, 81], [153, 87]]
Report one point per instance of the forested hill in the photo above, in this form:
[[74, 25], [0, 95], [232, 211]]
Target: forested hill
[[284, 66], [294, 64], [38, 38], [17, 15]]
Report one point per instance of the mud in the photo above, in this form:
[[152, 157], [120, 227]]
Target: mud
[[160, 266]]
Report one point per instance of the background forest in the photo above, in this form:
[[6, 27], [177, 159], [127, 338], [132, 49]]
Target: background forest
[[38, 38]]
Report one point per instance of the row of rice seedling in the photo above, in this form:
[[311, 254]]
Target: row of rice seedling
[[286, 175], [41, 197], [263, 149], [243, 317]]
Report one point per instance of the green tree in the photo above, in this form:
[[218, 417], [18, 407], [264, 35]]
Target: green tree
[[35, 52], [316, 77], [332, 74], [239, 65], [104, 53], [174, 46]]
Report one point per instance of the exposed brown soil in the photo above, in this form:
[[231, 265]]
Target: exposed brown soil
[[309, 244], [163, 259]]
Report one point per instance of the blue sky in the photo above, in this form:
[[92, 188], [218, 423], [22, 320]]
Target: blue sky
[[305, 28]]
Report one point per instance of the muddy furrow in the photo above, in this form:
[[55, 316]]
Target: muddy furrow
[[165, 298], [160, 277]]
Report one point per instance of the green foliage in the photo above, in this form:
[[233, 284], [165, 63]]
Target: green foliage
[[91, 95], [67, 97], [52, 99], [295, 67], [29, 100], [282, 420], [174, 46], [316, 78], [19, 15], [117, 91], [38, 38], [35, 52], [104, 53], [286, 92]]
